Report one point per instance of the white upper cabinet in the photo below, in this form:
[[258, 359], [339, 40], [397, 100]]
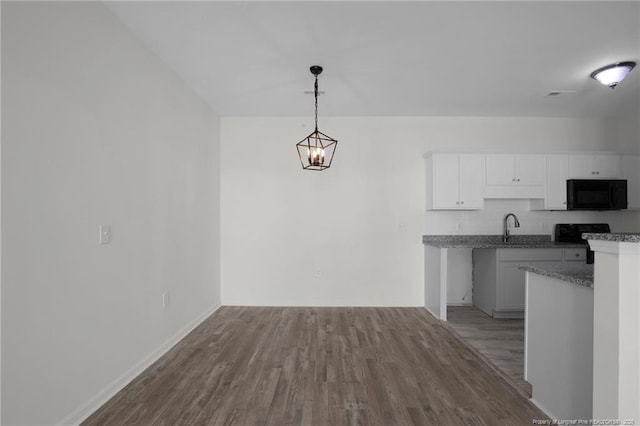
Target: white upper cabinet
[[530, 169], [515, 176], [463, 181], [631, 172], [471, 187], [594, 166], [454, 181], [444, 181], [555, 196], [501, 169]]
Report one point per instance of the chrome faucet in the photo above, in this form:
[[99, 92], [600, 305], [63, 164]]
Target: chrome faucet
[[516, 223]]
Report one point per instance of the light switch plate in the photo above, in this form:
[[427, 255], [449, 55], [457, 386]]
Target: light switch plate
[[105, 234]]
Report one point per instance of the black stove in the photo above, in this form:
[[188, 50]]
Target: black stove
[[572, 233]]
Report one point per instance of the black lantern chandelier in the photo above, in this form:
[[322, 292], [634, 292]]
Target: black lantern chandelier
[[316, 150]]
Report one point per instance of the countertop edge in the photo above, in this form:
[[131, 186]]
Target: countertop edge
[[581, 277], [495, 242], [623, 237]]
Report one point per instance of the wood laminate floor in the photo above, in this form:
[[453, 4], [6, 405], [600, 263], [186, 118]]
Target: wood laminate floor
[[501, 341], [318, 366]]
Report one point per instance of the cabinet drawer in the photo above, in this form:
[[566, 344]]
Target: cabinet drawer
[[575, 255], [527, 254]]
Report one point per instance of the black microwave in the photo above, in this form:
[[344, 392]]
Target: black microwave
[[596, 194]]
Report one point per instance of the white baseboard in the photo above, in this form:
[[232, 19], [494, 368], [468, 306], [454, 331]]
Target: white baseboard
[[544, 410], [85, 410], [431, 312]]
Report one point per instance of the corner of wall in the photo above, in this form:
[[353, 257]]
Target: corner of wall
[[97, 130], [83, 412]]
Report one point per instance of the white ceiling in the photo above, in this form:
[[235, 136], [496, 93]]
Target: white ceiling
[[396, 58]]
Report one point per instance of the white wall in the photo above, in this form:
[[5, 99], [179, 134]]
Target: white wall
[[361, 221], [0, 240], [96, 130], [626, 131]]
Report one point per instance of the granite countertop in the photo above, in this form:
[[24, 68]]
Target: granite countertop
[[494, 241], [578, 274], [623, 237]]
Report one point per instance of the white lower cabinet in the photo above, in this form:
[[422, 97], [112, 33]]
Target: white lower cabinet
[[498, 284]]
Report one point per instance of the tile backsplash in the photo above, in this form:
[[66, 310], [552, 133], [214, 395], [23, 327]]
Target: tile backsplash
[[490, 220]]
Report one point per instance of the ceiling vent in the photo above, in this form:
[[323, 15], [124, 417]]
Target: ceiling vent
[[556, 93]]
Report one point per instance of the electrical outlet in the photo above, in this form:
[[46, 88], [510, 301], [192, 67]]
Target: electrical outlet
[[105, 234], [317, 273], [165, 299]]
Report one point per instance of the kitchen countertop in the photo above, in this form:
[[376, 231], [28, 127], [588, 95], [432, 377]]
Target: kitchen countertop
[[623, 237], [494, 241], [578, 274]]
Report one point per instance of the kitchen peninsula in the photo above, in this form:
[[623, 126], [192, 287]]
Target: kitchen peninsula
[[520, 249], [582, 347], [558, 347]]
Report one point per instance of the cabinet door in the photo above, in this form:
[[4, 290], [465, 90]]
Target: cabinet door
[[471, 167], [529, 169], [445, 181], [606, 166], [512, 282], [511, 286], [580, 167], [556, 185], [631, 172], [594, 166], [500, 169]]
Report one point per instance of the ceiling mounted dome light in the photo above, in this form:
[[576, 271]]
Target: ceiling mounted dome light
[[316, 150], [613, 74]]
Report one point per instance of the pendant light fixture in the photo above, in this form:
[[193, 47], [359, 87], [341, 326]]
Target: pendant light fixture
[[613, 74], [316, 150]]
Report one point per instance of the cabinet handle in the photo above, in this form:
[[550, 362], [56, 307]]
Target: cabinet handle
[[577, 254], [593, 173], [518, 180], [461, 202], [597, 173], [564, 202], [457, 202]]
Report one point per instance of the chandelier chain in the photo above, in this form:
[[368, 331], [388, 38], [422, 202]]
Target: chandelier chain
[[316, 96]]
